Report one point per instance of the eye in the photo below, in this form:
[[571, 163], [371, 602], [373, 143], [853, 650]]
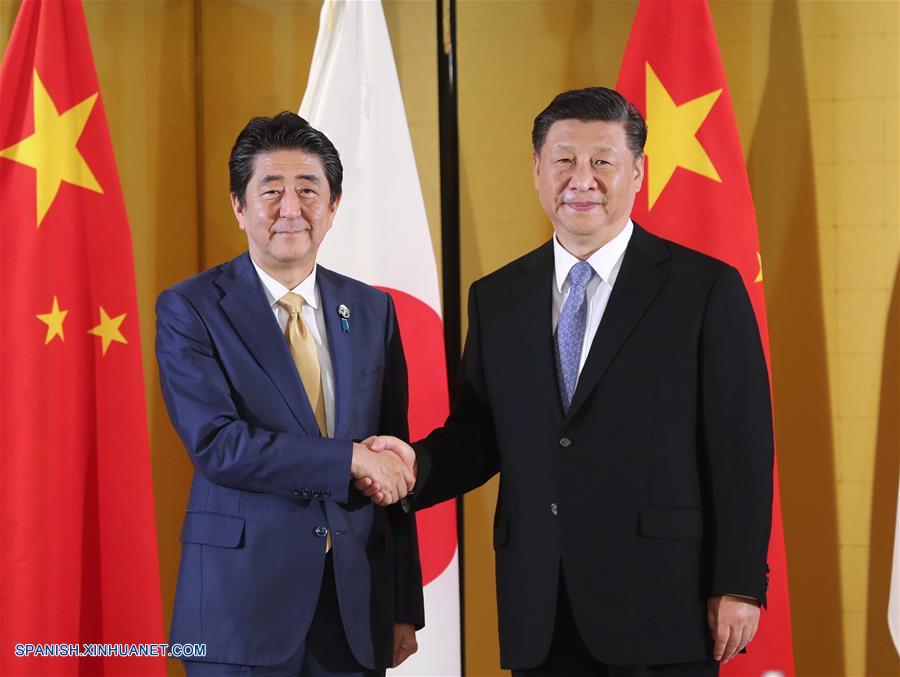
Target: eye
[[308, 192], [563, 161], [602, 162], [272, 192]]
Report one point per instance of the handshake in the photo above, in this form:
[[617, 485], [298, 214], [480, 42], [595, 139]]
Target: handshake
[[383, 468]]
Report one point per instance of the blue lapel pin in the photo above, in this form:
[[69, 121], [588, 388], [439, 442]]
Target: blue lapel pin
[[344, 313]]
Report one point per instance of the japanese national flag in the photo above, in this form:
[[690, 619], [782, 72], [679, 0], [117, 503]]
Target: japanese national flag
[[381, 237]]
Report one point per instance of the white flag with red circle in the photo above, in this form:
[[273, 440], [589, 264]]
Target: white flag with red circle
[[380, 236]]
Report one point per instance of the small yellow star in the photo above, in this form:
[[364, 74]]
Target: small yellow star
[[54, 321], [671, 136], [108, 329], [52, 150], [759, 275]]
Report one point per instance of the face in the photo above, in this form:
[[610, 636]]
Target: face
[[586, 178], [287, 211]]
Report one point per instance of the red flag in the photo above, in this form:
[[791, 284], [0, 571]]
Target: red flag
[[77, 525], [696, 193]]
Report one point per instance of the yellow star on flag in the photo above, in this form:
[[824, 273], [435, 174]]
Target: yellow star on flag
[[108, 329], [759, 275], [54, 321], [52, 149], [671, 136]]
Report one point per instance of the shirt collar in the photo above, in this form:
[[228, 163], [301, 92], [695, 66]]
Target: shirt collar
[[604, 261], [275, 290]]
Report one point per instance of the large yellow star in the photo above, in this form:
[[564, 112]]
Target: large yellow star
[[52, 149], [671, 137], [54, 321], [108, 329]]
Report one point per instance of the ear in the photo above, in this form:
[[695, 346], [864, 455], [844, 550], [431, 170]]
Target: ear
[[638, 178], [334, 205], [535, 167], [332, 210], [238, 210]]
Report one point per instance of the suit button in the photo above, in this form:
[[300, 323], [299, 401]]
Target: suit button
[[565, 442], [321, 532], [554, 509]]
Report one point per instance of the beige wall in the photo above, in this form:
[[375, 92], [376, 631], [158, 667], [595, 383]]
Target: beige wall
[[815, 87]]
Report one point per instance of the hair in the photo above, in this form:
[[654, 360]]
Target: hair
[[285, 131], [588, 105]]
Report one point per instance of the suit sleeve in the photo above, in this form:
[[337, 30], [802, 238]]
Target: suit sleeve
[[463, 454], [408, 599], [225, 448], [739, 441]]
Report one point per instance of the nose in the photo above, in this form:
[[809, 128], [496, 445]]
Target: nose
[[290, 205], [583, 178]]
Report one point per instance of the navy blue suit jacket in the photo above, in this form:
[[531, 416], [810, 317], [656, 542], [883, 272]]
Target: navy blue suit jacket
[[266, 485]]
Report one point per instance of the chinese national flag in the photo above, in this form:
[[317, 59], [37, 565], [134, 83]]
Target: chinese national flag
[[696, 193], [78, 559]]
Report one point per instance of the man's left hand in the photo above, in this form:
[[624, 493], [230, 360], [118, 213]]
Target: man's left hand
[[404, 642], [733, 622]]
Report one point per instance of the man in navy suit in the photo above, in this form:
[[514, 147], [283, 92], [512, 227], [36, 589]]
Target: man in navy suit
[[617, 383], [273, 368]]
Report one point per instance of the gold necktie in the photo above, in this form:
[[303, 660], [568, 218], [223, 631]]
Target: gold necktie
[[306, 357]]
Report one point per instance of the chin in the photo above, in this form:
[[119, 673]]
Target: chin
[[294, 256], [584, 230]]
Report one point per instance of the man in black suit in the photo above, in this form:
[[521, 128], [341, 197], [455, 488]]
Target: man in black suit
[[617, 383]]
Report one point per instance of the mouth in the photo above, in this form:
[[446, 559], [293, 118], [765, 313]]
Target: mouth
[[290, 232], [582, 206]]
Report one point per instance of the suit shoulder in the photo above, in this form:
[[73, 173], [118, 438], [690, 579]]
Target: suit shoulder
[[687, 261], [361, 299], [694, 256], [360, 290], [534, 260], [197, 286]]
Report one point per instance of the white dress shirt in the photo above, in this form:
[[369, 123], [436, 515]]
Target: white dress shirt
[[606, 263], [312, 316]]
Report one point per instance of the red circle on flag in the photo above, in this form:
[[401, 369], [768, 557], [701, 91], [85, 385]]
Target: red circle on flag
[[423, 343]]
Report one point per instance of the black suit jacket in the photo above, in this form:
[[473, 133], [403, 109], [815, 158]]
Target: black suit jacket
[[653, 492]]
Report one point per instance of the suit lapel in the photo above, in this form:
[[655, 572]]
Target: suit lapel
[[340, 346], [639, 280], [533, 306], [247, 307]]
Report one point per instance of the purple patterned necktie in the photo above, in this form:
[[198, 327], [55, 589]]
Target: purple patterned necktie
[[570, 331]]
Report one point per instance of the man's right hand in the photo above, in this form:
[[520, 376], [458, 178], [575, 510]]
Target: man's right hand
[[393, 477], [371, 486]]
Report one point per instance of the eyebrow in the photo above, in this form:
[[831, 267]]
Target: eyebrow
[[604, 147], [271, 178]]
